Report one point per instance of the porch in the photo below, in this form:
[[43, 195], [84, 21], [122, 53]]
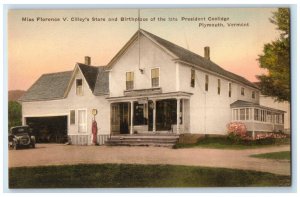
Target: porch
[[257, 118], [145, 139], [156, 114]]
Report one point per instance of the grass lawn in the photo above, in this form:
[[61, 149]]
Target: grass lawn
[[224, 143], [131, 175], [276, 155]]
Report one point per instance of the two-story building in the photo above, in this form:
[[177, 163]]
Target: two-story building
[[150, 86]]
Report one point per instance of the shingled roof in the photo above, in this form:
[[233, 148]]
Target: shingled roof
[[54, 85], [102, 82], [240, 103], [90, 73], [195, 59], [48, 87]]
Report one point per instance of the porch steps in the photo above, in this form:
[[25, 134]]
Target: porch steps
[[142, 140]]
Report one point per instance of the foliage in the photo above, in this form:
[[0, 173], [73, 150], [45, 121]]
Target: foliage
[[236, 131], [14, 114], [283, 155], [276, 59], [270, 135], [133, 175], [226, 143]]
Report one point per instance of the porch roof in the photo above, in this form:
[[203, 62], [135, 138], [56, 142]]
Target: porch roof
[[161, 96], [241, 104]]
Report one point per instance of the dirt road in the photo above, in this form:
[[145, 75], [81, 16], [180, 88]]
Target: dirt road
[[59, 154]]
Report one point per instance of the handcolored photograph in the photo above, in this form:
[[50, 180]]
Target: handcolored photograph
[[149, 98]]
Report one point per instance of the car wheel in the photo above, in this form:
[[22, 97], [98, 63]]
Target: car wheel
[[15, 146]]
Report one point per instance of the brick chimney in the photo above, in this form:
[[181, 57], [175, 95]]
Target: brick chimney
[[87, 60], [207, 53]]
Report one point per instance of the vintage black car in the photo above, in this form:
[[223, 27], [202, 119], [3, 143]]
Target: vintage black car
[[21, 136]]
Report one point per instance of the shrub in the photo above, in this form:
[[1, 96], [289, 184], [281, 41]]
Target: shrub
[[236, 131], [14, 114]]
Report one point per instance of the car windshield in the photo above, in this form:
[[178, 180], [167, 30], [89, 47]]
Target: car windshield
[[19, 130]]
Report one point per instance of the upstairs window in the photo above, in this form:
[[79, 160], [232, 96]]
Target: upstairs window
[[79, 87], [253, 94], [192, 78], [129, 80], [242, 91], [219, 86], [206, 82], [229, 89], [155, 77]]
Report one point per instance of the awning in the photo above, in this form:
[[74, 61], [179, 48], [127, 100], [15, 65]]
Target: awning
[[161, 96], [247, 104]]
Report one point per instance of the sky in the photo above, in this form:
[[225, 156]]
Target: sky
[[38, 47]]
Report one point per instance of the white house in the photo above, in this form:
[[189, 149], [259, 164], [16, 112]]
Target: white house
[[151, 85], [284, 106]]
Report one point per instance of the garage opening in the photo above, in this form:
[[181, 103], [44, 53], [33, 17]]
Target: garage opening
[[52, 129]]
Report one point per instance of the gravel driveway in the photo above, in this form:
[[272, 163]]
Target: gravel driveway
[[59, 154]]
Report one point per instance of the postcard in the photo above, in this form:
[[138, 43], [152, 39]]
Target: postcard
[[149, 98]]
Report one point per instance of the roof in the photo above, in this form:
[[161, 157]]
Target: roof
[[48, 87], [90, 73], [240, 103], [54, 85], [102, 82], [195, 59]]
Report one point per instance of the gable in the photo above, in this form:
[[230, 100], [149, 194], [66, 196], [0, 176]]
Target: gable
[[90, 74], [181, 54]]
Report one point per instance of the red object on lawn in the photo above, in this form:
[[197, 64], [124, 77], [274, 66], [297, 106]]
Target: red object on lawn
[[94, 131]]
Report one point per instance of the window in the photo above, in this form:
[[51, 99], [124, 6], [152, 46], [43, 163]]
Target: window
[[229, 89], [219, 86], [140, 115], [155, 77], [81, 121], [192, 78], [242, 114], [256, 114], [248, 114], [269, 116], [253, 94], [206, 82], [279, 118], [129, 80], [242, 91], [72, 117], [263, 115], [235, 114], [79, 88]]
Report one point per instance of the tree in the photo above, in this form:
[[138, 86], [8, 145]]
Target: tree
[[14, 114], [276, 59]]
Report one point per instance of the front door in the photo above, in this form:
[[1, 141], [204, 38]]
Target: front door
[[165, 114], [124, 118], [120, 114]]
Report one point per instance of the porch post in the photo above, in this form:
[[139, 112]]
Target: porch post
[[183, 114], [131, 117], [253, 132], [178, 115], [154, 115]]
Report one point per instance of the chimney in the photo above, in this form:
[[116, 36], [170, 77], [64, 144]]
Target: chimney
[[87, 60], [207, 53]]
